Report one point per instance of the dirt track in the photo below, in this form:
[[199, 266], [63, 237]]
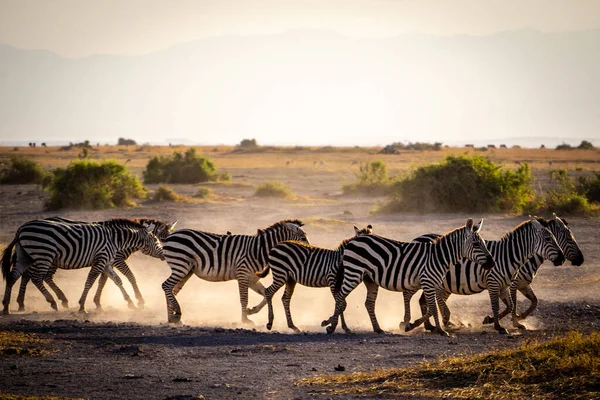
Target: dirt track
[[125, 353]]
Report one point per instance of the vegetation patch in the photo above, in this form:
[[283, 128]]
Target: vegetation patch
[[274, 189], [203, 193], [21, 344], [562, 367], [568, 196], [179, 168], [92, 185], [461, 184], [6, 396], [166, 193], [372, 178], [22, 170]]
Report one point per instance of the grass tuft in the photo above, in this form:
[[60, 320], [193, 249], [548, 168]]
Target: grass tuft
[[274, 189], [166, 193], [21, 344], [562, 367]]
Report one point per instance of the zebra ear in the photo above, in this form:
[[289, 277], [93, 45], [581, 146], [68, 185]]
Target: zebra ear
[[469, 224], [356, 230], [478, 227], [536, 224], [150, 226], [172, 226]]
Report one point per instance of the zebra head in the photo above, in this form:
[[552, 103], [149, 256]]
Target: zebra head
[[366, 231], [150, 244], [565, 239], [292, 230], [474, 247], [545, 243], [159, 228]]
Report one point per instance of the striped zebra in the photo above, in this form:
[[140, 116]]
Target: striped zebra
[[297, 262], [522, 282], [401, 266], [218, 258], [40, 244], [510, 252], [159, 228]]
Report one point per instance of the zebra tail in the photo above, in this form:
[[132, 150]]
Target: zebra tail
[[264, 272], [6, 258], [339, 278]]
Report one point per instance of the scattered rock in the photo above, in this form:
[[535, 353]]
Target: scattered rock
[[339, 368], [129, 350], [179, 379]]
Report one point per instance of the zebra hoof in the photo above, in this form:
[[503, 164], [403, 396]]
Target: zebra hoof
[[65, 304], [141, 305], [247, 322], [269, 325], [6, 311], [21, 307], [409, 327], [488, 320], [54, 306], [296, 330], [441, 332], [348, 331], [429, 328], [175, 319], [503, 331], [520, 327], [330, 330], [380, 331], [131, 305]]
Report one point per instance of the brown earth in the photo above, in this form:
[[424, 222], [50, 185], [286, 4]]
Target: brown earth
[[122, 353]]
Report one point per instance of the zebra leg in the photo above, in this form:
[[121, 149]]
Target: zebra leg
[[513, 307], [406, 297], [530, 295], [37, 277], [176, 278], [269, 292], [350, 281], [423, 305], [286, 299], [182, 282], [243, 284], [494, 299], [59, 293], [489, 319], [25, 278], [10, 281], [442, 298], [342, 318], [101, 283], [372, 291], [257, 287], [115, 278], [122, 266], [430, 297], [97, 269]]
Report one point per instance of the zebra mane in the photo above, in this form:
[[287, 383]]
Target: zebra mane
[[523, 226], [123, 223], [281, 224], [440, 238]]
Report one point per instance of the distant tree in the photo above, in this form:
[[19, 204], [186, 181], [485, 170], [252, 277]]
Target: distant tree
[[585, 145], [248, 144], [44, 144], [126, 142], [564, 146], [543, 146]]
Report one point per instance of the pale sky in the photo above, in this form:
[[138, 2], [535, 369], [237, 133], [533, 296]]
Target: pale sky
[[76, 28]]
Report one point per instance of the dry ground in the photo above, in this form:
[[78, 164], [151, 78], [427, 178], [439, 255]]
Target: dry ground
[[124, 353]]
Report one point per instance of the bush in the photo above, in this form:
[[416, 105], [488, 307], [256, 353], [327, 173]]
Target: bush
[[462, 184], [165, 193], [179, 168], [89, 184], [564, 146], [22, 170], [274, 189], [566, 197], [418, 146], [589, 186], [585, 145], [126, 142], [203, 193], [372, 178]]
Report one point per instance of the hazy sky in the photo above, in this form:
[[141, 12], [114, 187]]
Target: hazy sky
[[77, 28]]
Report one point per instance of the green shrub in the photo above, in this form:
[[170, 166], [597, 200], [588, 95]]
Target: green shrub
[[203, 193], [166, 193], [462, 184], [589, 186], [585, 145], [564, 146], [21, 170], [179, 168], [418, 146], [373, 178], [89, 184], [224, 177], [566, 196], [274, 189]]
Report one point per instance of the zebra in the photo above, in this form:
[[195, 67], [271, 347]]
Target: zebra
[[401, 266], [522, 282], [510, 252], [40, 244], [297, 262], [159, 228], [218, 258]]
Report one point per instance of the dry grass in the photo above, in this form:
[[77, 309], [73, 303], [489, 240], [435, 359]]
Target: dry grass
[[562, 367], [22, 344], [6, 396]]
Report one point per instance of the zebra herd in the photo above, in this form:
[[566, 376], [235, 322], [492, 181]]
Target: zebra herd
[[459, 262]]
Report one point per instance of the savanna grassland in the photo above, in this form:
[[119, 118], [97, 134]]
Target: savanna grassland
[[123, 353]]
